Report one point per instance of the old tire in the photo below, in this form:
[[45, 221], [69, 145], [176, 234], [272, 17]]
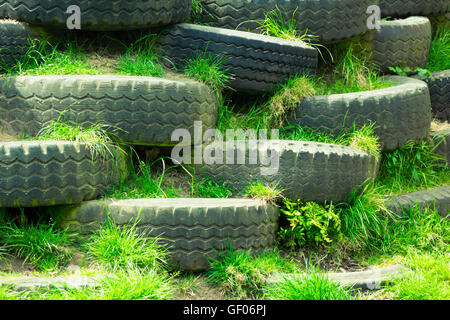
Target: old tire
[[196, 228], [146, 110], [404, 43], [14, 42], [437, 198], [407, 8], [101, 15], [401, 113], [329, 20], [47, 173], [439, 87], [258, 63], [304, 170]]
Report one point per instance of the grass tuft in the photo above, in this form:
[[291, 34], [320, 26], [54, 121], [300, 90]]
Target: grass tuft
[[440, 50], [263, 192]]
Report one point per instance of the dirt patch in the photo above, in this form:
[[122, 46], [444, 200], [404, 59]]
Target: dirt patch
[[201, 290], [437, 125]]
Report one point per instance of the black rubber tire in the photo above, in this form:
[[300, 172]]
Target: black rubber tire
[[329, 20], [104, 15], [196, 228], [146, 109], [404, 43], [440, 94], [258, 63], [437, 198], [47, 173], [307, 170], [401, 112], [442, 140], [407, 8], [14, 42]]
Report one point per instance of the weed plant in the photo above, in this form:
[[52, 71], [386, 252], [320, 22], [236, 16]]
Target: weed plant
[[440, 50]]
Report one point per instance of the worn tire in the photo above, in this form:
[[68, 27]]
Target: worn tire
[[441, 140], [197, 228], [147, 110], [257, 63], [99, 15], [329, 20], [437, 198], [407, 8], [47, 173], [14, 42], [404, 43], [401, 113], [306, 170], [440, 94]]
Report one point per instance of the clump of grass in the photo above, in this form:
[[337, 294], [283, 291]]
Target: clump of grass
[[197, 10], [365, 139], [97, 136], [43, 58], [287, 98], [140, 59], [314, 285], [41, 244], [207, 187], [410, 168], [123, 247], [242, 276], [440, 50], [208, 69], [263, 192]]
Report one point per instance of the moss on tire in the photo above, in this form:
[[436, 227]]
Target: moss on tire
[[100, 14], [48, 173], [197, 229], [146, 110]]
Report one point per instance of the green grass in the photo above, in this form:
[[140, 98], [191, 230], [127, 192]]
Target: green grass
[[44, 58], [440, 50], [313, 286], [98, 136], [140, 59], [411, 168], [260, 191], [210, 70], [122, 247], [41, 244], [242, 276], [207, 187]]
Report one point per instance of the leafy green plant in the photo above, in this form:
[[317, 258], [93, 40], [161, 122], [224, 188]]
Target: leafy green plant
[[122, 247], [404, 72], [308, 222], [41, 244]]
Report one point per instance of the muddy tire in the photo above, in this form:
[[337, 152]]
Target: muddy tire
[[329, 20], [258, 63], [98, 15], [47, 173], [437, 198], [304, 170], [196, 228], [401, 113], [146, 110], [14, 42], [404, 43], [439, 87], [407, 8]]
